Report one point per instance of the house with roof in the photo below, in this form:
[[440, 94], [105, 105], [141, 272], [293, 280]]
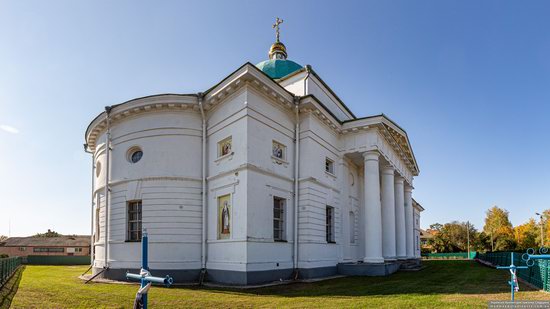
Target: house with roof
[[77, 245]]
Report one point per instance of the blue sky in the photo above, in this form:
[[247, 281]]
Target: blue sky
[[468, 80]]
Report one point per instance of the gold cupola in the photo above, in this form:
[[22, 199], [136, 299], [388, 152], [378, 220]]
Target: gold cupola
[[278, 49]]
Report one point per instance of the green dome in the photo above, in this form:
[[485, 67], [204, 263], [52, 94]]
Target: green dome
[[278, 68]]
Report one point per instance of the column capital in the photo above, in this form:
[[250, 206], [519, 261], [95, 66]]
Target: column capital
[[408, 188], [399, 179], [371, 155], [388, 170]]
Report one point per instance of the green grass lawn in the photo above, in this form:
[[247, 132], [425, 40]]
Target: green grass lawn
[[450, 284]]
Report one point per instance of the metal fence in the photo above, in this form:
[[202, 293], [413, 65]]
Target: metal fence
[[537, 275], [454, 255], [7, 267], [57, 260]]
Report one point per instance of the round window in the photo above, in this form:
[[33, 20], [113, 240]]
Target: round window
[[134, 155], [97, 169]]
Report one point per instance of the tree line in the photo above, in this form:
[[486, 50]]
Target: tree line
[[498, 234]]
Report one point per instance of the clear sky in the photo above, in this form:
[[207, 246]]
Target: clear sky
[[468, 80]]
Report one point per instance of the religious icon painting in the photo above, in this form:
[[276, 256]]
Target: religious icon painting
[[224, 147], [224, 216], [279, 150]]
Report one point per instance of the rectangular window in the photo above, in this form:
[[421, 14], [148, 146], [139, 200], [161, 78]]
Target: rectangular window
[[279, 219], [225, 147], [330, 224], [351, 227], [22, 248], [134, 221], [97, 228], [38, 249], [329, 166], [279, 150]]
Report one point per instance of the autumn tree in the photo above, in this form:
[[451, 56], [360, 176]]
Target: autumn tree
[[3, 238], [546, 227], [527, 235], [500, 229]]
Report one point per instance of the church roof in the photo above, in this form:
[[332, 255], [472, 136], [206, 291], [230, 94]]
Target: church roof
[[278, 68]]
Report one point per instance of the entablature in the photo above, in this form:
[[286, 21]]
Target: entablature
[[119, 112]]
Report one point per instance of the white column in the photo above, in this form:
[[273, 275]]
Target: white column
[[373, 211], [409, 222], [401, 236], [388, 213]]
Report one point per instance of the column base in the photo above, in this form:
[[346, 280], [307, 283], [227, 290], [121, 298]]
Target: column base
[[390, 259], [402, 258], [374, 260]]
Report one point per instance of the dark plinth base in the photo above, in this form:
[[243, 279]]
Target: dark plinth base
[[368, 269], [259, 277], [411, 264], [179, 275]]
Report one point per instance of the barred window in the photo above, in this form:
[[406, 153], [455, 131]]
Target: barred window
[[97, 212], [279, 219], [330, 224], [134, 221], [351, 227]]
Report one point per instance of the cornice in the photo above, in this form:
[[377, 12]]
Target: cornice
[[147, 178], [120, 112]]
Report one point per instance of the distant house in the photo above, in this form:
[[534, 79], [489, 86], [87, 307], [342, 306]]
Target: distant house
[[62, 245], [425, 236]]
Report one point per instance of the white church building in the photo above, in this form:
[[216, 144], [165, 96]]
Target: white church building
[[265, 176]]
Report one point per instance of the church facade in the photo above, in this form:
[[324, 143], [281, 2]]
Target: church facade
[[265, 176]]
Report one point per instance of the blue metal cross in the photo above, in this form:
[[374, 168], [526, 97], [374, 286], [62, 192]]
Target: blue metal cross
[[145, 277], [530, 256], [513, 278]]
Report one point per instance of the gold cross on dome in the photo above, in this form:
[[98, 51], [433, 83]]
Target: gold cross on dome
[[276, 27]]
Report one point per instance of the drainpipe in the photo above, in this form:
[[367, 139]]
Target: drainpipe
[[92, 208], [308, 71], [107, 189], [203, 176], [296, 184]]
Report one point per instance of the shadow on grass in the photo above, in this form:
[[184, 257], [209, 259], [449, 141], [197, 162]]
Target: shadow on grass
[[439, 277], [8, 291]]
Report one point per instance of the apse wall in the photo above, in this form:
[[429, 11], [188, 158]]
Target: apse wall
[[167, 180]]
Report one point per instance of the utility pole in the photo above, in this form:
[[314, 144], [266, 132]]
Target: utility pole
[[468, 233], [541, 230]]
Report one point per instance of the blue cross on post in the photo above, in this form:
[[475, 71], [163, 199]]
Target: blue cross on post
[[145, 277], [514, 286]]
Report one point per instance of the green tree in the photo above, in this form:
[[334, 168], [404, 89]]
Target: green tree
[[49, 233], [453, 237], [499, 228]]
